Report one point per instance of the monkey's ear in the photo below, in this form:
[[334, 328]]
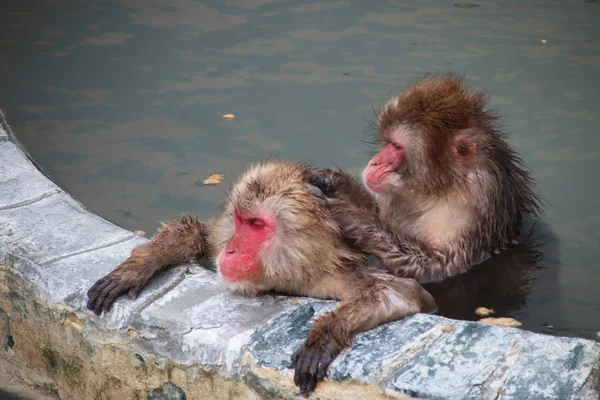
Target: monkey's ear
[[465, 149]]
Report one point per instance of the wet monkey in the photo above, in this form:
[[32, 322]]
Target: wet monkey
[[448, 189], [276, 233]]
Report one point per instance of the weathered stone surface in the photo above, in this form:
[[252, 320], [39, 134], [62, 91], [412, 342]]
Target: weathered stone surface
[[286, 333], [53, 228], [167, 392], [206, 324], [20, 181], [569, 364], [478, 361], [377, 354], [461, 363], [3, 134], [83, 270]]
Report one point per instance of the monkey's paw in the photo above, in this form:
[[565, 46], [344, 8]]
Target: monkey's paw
[[312, 362], [324, 179], [108, 289]]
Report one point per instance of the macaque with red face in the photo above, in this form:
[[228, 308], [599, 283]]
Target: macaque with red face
[[448, 189], [276, 233]]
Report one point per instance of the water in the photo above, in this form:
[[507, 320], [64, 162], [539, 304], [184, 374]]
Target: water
[[122, 102]]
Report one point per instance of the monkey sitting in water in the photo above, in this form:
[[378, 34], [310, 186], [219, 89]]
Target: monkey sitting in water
[[277, 233], [448, 190]]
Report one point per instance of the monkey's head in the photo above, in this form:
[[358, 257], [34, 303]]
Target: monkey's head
[[430, 137], [274, 231]]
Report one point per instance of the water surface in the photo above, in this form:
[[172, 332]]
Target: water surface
[[122, 102]]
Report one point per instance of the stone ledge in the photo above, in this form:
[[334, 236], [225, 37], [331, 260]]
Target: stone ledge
[[185, 337]]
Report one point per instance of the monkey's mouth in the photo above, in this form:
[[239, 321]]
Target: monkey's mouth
[[233, 275], [376, 179]]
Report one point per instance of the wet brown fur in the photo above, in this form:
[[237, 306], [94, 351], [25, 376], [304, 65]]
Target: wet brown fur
[[310, 257], [457, 162]]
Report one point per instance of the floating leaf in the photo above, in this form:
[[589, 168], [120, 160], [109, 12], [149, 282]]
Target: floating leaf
[[294, 302], [462, 5], [501, 321], [484, 312], [228, 116], [346, 74], [213, 179], [544, 41], [447, 328], [140, 233]]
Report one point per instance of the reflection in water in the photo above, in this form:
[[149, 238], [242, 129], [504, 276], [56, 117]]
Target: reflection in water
[[122, 102], [502, 283]]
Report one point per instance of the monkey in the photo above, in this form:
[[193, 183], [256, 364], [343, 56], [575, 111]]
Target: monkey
[[276, 233], [448, 190]]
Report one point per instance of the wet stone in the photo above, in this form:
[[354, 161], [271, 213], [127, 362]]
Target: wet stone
[[52, 228], [206, 323], [460, 364], [68, 280], [3, 134], [273, 345], [169, 391], [20, 181], [552, 368], [377, 353]]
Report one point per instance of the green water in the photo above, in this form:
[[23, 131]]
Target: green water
[[122, 102]]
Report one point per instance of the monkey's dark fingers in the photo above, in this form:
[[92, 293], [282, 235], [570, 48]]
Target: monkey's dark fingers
[[296, 355], [324, 183], [102, 295], [299, 360], [316, 193], [306, 374], [95, 293], [134, 292], [324, 363], [113, 295]]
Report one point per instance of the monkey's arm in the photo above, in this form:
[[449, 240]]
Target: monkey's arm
[[178, 241], [402, 255], [378, 298]]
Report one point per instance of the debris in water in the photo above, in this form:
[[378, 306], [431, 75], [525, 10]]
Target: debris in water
[[346, 73], [501, 321], [544, 41], [294, 302], [484, 312], [228, 116], [140, 233], [213, 179], [447, 328], [462, 5]]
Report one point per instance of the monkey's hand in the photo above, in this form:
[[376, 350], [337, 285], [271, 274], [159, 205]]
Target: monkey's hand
[[178, 241], [313, 358], [325, 179], [338, 184], [122, 280]]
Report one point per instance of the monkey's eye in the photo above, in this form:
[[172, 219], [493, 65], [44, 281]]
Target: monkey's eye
[[256, 222]]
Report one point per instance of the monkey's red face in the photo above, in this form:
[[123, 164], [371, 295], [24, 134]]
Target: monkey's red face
[[382, 169], [240, 260]]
